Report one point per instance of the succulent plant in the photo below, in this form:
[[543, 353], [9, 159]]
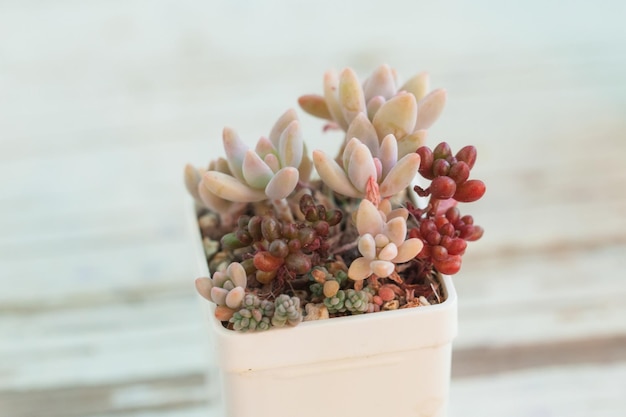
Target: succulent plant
[[287, 311], [382, 242], [270, 171], [360, 166], [405, 111], [255, 315], [226, 288], [351, 242]]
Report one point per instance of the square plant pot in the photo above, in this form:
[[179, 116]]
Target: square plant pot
[[390, 363]]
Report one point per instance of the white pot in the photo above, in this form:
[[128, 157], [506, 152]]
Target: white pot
[[391, 363]]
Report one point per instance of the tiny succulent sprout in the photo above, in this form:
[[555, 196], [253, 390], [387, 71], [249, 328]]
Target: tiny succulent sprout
[[271, 171], [226, 288], [287, 311], [382, 242]]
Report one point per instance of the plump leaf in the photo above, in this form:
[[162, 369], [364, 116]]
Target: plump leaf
[[382, 268], [283, 183], [408, 250], [237, 274], [203, 286], [418, 85], [350, 95], [367, 246], [290, 145], [315, 105], [229, 188], [359, 269], [255, 171], [362, 129], [380, 83], [333, 175], [281, 124], [331, 84], [388, 154], [400, 176], [368, 219], [429, 108], [397, 116], [361, 167], [235, 152]]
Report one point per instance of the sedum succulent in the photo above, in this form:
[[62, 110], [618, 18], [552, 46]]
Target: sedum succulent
[[226, 288], [405, 110], [255, 314], [270, 171], [335, 246], [360, 165], [382, 242], [287, 311]]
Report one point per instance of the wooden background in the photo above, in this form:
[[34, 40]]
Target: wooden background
[[103, 102]]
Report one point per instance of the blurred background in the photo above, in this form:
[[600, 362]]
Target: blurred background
[[103, 102]]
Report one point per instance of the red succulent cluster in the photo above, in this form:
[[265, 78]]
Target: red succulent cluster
[[445, 239], [273, 244], [449, 174], [441, 227]]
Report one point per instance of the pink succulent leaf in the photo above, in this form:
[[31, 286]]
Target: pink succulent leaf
[[229, 188], [281, 124], [367, 246], [237, 274], [395, 230], [290, 146], [331, 84], [359, 269], [380, 83], [282, 184], [192, 176], [315, 105], [234, 297], [408, 250], [388, 154], [401, 175], [255, 171], [362, 129], [264, 146], [430, 108], [373, 105], [212, 201], [333, 175], [203, 286], [235, 152], [369, 219], [350, 95], [397, 116], [361, 167], [218, 295], [418, 85], [272, 161], [411, 142], [389, 252], [382, 268], [353, 142]]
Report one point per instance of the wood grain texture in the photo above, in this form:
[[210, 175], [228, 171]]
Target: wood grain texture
[[102, 104]]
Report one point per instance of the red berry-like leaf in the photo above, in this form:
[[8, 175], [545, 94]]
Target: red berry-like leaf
[[439, 253], [469, 191], [468, 155], [451, 265], [264, 261], [442, 188], [426, 162], [442, 151], [477, 233], [457, 246], [440, 167], [459, 172]]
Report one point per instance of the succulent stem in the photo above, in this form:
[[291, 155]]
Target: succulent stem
[[283, 211]]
